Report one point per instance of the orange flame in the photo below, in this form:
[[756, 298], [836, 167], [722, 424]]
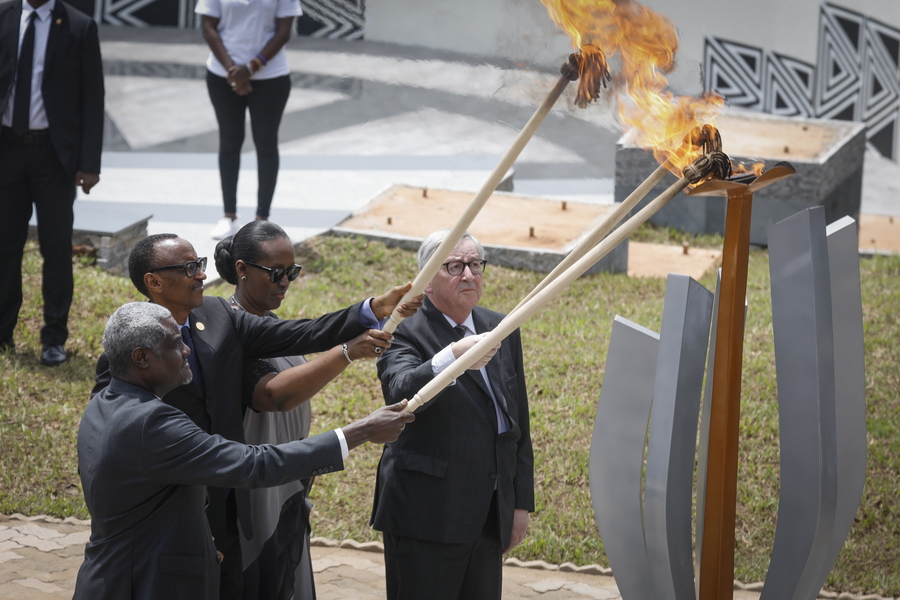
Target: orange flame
[[645, 43]]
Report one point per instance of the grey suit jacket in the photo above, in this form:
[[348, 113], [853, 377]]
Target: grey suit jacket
[[437, 480], [72, 85], [144, 469], [223, 339]]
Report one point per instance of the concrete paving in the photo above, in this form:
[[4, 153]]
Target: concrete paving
[[40, 557], [361, 117]]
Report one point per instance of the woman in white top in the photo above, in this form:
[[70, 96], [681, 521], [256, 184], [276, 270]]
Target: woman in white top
[[247, 69]]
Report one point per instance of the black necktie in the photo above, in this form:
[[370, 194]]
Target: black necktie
[[460, 331], [192, 357], [22, 101]]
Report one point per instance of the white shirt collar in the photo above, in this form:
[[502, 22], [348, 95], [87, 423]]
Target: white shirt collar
[[43, 11], [469, 322]]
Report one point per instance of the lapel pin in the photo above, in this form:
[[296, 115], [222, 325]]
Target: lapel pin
[[201, 326], [59, 21]]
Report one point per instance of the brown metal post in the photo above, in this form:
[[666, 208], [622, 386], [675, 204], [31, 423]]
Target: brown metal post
[[717, 560]]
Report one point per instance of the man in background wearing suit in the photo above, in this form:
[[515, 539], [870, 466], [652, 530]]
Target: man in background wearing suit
[[145, 466], [454, 491], [166, 269], [51, 100]]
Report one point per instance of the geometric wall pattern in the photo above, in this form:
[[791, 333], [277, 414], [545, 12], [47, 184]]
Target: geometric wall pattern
[[856, 76], [332, 19], [140, 13], [321, 18]]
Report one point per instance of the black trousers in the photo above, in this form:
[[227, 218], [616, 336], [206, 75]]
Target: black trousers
[[417, 569], [228, 542], [33, 176], [266, 105]]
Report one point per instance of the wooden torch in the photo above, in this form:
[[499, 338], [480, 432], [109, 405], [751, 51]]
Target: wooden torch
[[695, 172], [578, 65]]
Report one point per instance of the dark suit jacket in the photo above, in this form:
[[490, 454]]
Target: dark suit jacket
[[72, 85], [436, 481], [144, 467], [223, 339]]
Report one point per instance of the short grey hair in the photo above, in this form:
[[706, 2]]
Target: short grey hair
[[431, 243], [133, 325]]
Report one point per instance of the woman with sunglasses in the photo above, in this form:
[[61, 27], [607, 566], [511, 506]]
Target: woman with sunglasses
[[259, 261]]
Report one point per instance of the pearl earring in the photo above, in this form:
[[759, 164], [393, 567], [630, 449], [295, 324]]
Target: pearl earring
[[244, 278]]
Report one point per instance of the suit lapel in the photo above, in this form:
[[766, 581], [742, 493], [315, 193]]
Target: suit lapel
[[204, 352], [439, 325], [9, 37], [59, 19], [484, 322], [446, 335]]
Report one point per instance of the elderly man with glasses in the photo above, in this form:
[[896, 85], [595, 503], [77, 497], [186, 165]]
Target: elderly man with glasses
[[166, 269], [454, 491]]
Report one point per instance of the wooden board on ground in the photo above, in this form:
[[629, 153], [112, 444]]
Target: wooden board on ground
[[516, 222], [878, 233], [505, 219], [658, 260]]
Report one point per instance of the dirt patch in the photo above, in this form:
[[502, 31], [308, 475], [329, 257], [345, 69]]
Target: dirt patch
[[781, 140], [539, 224], [517, 222], [505, 219], [878, 233], [658, 260]]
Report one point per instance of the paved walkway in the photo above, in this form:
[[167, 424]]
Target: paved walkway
[[40, 556]]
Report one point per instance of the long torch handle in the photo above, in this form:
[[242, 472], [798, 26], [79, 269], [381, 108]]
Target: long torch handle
[[513, 320], [600, 231], [440, 254]]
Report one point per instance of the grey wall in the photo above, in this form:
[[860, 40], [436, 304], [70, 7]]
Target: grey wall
[[514, 29], [521, 29]]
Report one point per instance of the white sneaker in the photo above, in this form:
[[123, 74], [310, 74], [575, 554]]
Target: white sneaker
[[224, 227]]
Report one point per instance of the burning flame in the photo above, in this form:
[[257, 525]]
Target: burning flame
[[644, 43]]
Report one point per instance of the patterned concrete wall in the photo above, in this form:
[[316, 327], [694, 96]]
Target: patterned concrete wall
[[321, 18], [856, 76]]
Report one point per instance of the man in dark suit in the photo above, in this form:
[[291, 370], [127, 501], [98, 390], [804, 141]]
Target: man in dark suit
[[51, 100], [144, 467], [454, 491], [166, 269]]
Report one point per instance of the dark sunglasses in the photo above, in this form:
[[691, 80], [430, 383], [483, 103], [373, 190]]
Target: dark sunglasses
[[275, 275], [190, 268]]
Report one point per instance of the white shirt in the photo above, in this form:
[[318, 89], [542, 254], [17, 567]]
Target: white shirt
[[38, 117], [246, 26]]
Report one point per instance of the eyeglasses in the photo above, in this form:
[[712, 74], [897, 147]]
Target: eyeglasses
[[190, 267], [456, 267], [275, 275]]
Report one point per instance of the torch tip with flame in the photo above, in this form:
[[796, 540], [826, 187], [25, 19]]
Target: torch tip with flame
[[590, 69], [706, 138]]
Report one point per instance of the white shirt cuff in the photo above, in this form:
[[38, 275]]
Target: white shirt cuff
[[345, 451], [441, 361]]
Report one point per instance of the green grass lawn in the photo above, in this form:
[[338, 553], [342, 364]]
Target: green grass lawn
[[565, 355]]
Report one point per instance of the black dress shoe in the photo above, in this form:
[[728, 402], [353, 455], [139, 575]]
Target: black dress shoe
[[53, 355]]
